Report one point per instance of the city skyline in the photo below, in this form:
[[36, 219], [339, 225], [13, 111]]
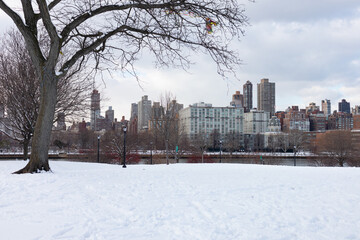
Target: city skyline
[[333, 106], [311, 52]]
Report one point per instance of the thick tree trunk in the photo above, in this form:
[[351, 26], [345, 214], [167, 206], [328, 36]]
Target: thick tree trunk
[[167, 151], [41, 139], [26, 149]]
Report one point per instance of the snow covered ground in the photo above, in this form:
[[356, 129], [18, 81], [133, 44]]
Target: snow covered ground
[[180, 201]]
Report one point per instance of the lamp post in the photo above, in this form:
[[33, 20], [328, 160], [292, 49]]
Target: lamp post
[[124, 157], [220, 149], [151, 147], [294, 156], [98, 149]]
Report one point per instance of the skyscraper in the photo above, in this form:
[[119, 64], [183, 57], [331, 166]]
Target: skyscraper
[[95, 108], [134, 111], [248, 96], [237, 100], [144, 113], [109, 114], [266, 96], [344, 106], [326, 107]]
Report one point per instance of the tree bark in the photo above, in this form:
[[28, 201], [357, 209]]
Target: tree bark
[[167, 151], [26, 148], [41, 140]]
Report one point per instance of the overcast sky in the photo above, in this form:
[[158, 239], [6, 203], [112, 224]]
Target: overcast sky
[[310, 49]]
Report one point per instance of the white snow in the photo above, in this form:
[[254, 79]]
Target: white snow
[[179, 201]]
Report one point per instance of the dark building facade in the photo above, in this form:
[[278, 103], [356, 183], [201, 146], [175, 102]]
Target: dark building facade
[[340, 121], [248, 96], [344, 106], [95, 109]]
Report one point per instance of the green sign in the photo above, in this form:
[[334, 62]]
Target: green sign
[[177, 148]]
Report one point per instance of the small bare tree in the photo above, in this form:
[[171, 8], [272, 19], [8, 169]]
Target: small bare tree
[[284, 142], [200, 143], [273, 142], [21, 91], [297, 142], [113, 144], [335, 146], [232, 141], [169, 128]]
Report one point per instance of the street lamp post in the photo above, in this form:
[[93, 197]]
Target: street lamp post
[[124, 157], [151, 147], [220, 149], [98, 149], [294, 156]]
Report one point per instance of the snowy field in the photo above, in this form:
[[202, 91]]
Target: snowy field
[[180, 201]]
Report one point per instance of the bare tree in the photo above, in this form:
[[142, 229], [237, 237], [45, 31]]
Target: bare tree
[[335, 146], [168, 125], [200, 143], [113, 144], [273, 142], [284, 142], [21, 91], [215, 138], [115, 32], [297, 142], [232, 141]]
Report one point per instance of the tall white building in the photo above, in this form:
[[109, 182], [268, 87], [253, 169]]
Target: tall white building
[[256, 121], [144, 113], [326, 107], [204, 118]]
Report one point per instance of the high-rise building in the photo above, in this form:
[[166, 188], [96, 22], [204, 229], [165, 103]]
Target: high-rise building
[[326, 107], [109, 114], [144, 113], [133, 123], [266, 96], [237, 100], [174, 106], [157, 114], [344, 106], [248, 96], [95, 108], [203, 118], [134, 110]]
